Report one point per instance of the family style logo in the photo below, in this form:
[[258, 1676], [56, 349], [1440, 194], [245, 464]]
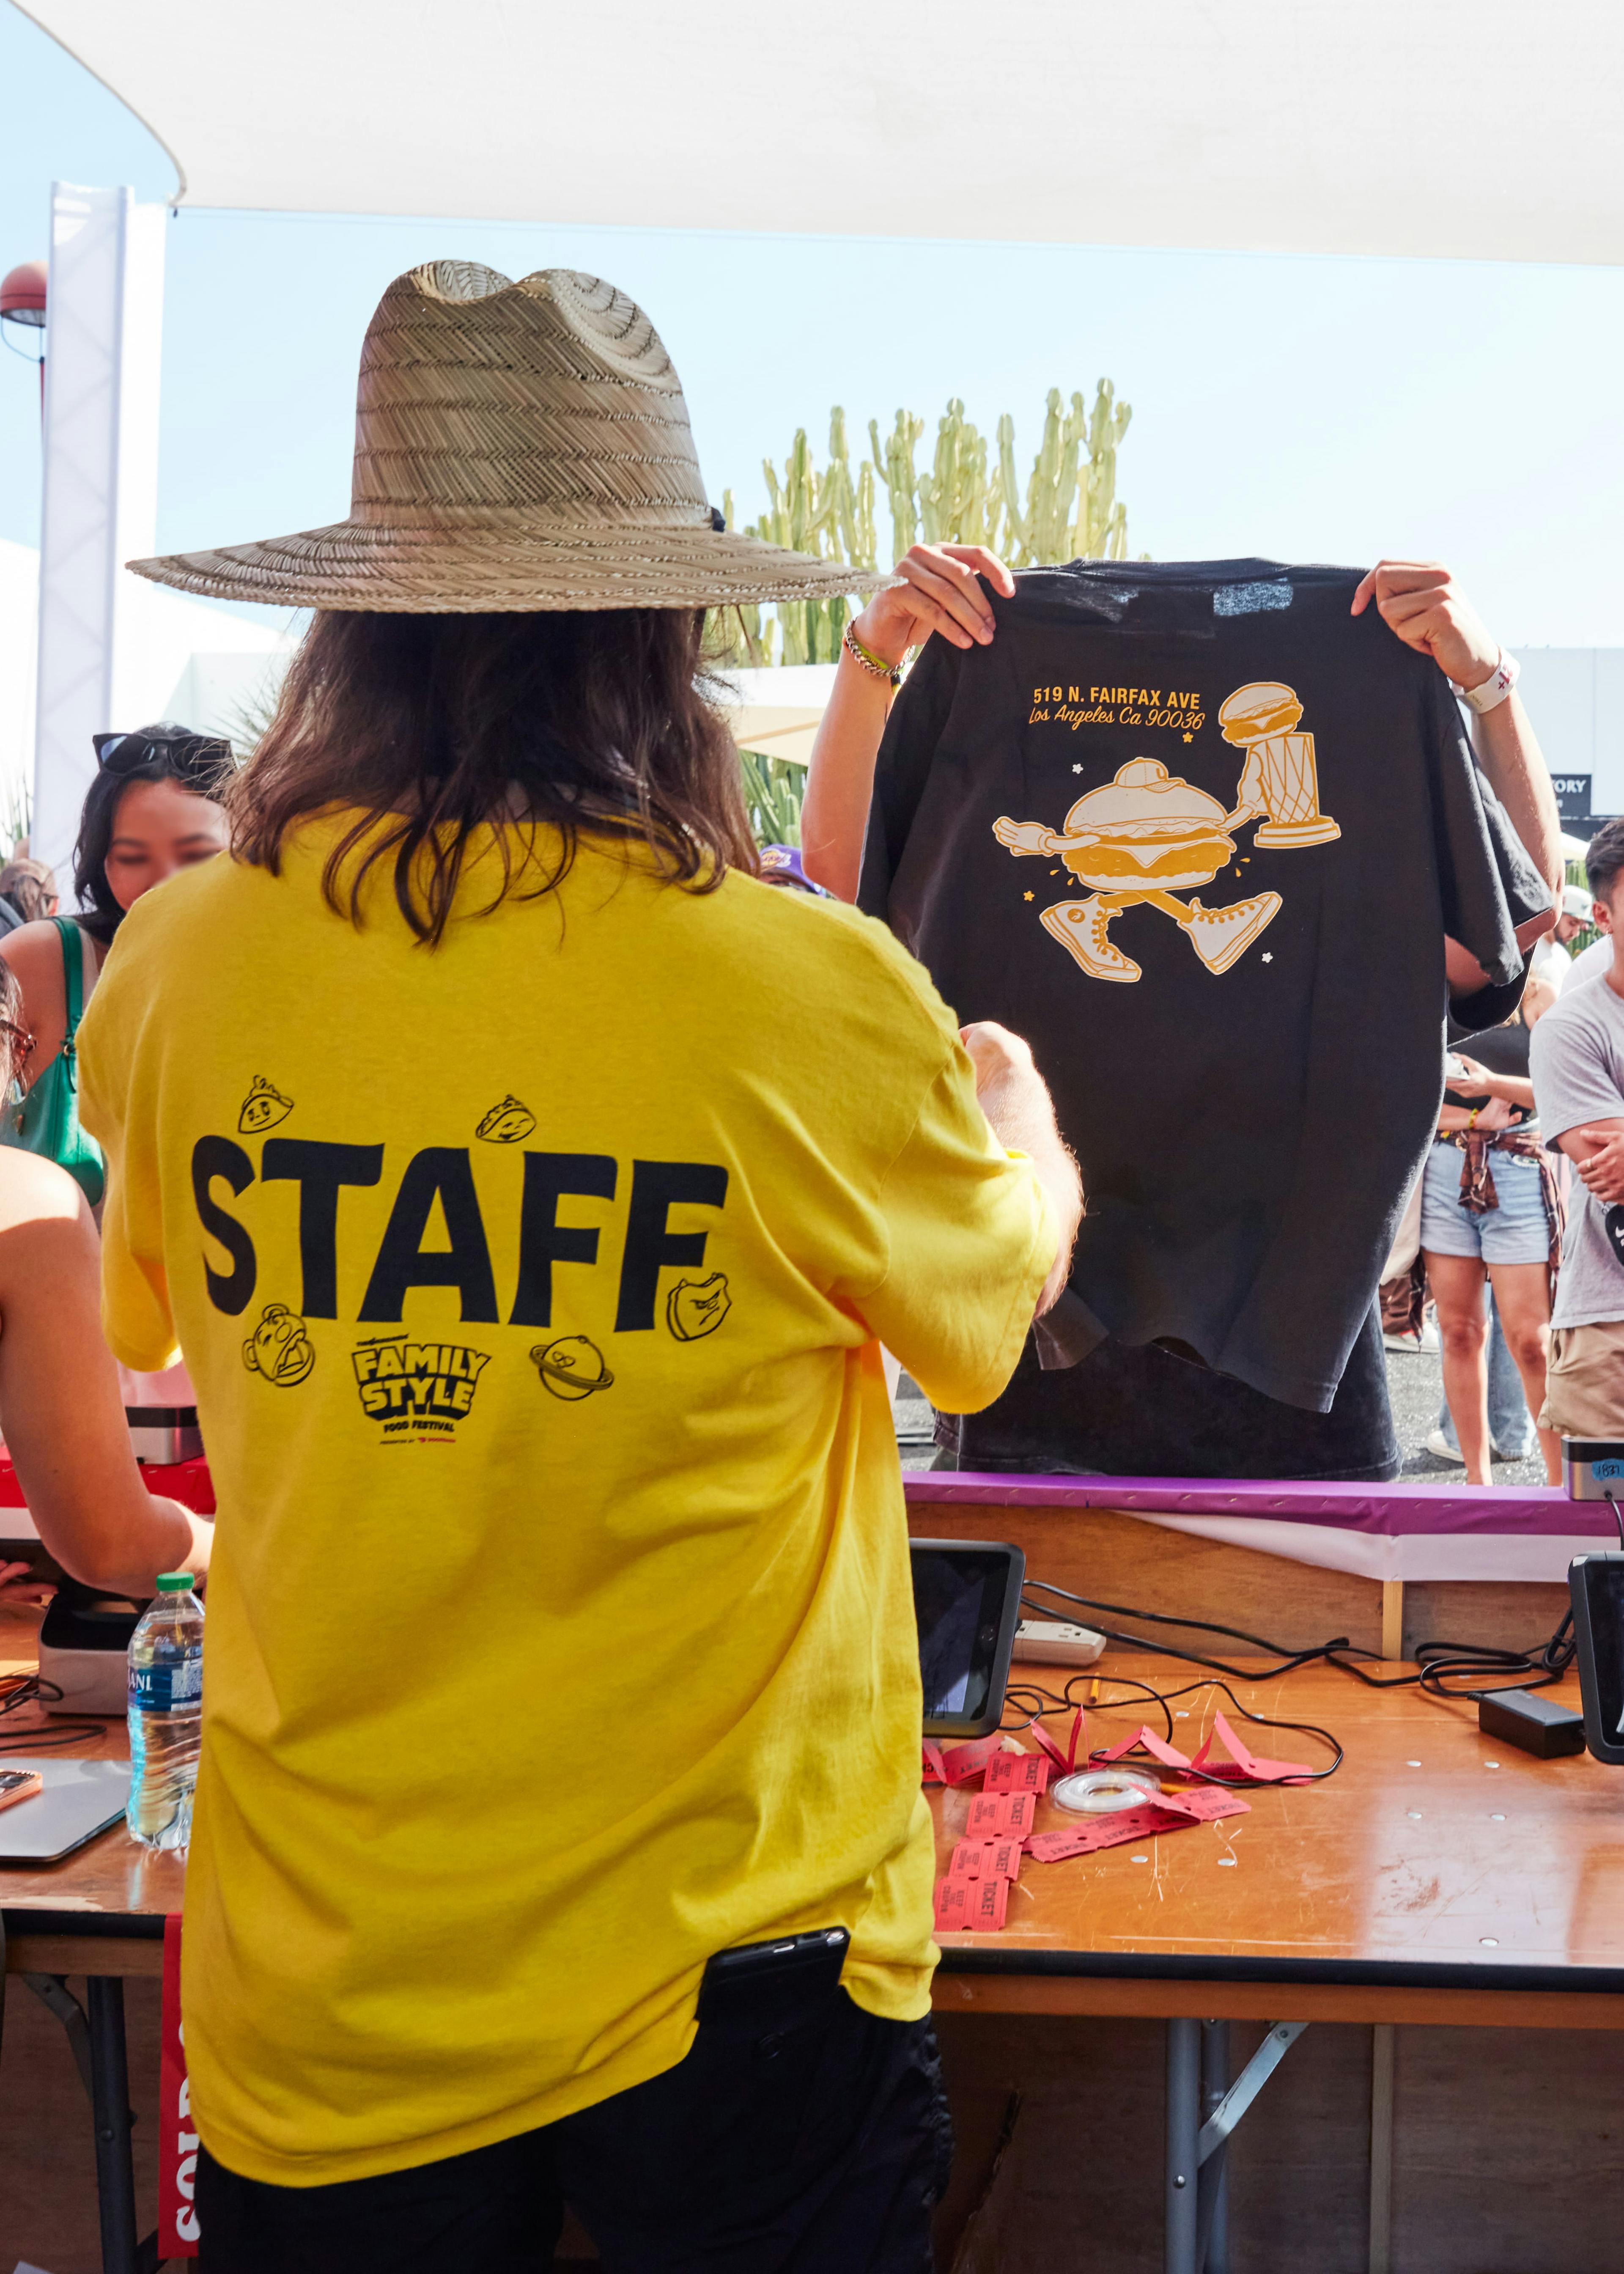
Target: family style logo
[[416, 1390]]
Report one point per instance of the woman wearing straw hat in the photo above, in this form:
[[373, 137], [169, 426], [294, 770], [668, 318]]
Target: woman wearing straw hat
[[530, 1188]]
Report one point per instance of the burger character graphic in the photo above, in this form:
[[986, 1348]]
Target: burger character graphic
[[1143, 836], [1148, 835]]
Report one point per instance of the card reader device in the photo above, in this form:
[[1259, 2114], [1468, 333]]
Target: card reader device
[[967, 1602], [1595, 1588]]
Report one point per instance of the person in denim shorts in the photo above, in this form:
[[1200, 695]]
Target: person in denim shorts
[[1489, 1207]]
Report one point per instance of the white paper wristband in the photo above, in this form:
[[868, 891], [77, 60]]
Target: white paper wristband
[[1494, 688]]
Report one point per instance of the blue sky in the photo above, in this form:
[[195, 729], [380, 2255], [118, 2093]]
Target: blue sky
[[1306, 409]]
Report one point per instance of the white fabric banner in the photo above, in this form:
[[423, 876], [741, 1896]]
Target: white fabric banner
[[1462, 129]]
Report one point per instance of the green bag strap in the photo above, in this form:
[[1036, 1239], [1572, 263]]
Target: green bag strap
[[74, 980]]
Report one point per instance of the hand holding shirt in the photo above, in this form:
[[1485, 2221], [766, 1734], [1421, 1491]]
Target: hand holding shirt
[[1190, 828]]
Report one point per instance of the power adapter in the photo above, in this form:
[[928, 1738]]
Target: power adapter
[[1538, 1725], [1057, 1642]]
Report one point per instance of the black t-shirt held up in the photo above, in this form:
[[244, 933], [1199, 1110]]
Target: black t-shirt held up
[[1194, 830]]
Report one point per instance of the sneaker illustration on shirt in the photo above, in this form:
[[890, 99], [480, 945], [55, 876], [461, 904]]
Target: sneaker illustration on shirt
[[1146, 836]]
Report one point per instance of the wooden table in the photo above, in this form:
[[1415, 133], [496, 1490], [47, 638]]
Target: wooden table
[[100, 1913], [1438, 1877]]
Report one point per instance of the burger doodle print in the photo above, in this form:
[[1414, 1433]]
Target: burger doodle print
[[1146, 836]]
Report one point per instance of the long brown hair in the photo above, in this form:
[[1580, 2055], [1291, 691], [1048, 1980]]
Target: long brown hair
[[16, 1042], [430, 726]]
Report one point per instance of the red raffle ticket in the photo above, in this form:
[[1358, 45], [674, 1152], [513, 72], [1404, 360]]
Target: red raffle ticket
[[960, 1762], [1017, 1773], [971, 1905], [998, 1815], [1171, 1813], [1244, 1767], [986, 1859]]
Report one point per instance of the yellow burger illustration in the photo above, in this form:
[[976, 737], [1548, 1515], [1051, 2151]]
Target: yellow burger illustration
[[507, 1123], [1142, 837], [262, 1109], [1145, 828], [279, 1348], [1254, 712]]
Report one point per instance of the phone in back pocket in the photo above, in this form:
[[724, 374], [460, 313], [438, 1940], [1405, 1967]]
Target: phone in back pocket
[[760, 1977]]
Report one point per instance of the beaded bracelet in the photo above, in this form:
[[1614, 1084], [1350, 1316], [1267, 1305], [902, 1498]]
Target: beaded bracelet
[[871, 664]]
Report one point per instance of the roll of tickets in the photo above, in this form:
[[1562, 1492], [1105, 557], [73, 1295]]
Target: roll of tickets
[[999, 1815], [961, 1763], [986, 1859], [1173, 1812], [1017, 1773], [971, 1905]]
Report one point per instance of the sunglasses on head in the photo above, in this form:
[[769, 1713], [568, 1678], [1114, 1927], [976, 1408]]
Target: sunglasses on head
[[188, 757]]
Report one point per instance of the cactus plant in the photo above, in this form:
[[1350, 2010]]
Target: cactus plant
[[1067, 510], [970, 494]]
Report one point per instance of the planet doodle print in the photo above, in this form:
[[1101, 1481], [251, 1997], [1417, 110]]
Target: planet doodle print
[[572, 1367], [279, 1348]]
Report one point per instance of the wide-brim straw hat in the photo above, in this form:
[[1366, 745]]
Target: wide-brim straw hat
[[517, 446]]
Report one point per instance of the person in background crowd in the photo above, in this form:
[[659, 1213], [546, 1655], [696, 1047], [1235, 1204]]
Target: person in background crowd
[[30, 887], [1578, 1069], [153, 809], [1490, 1209], [1593, 961], [1511, 1426], [59, 1400], [492, 964], [1551, 963]]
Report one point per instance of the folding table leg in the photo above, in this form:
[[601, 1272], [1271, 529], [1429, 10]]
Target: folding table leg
[[1214, 2186], [98, 2047], [109, 2078], [1183, 2125]]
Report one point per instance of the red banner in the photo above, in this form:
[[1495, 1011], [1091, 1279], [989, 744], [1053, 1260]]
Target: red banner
[[177, 2143]]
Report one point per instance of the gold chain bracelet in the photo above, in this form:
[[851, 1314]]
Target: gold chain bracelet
[[865, 661]]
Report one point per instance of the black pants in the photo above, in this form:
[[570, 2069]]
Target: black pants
[[808, 2139]]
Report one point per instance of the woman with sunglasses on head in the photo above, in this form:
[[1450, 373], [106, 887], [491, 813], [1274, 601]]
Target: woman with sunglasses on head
[[153, 808]]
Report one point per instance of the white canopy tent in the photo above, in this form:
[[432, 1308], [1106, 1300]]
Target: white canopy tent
[[1470, 129]]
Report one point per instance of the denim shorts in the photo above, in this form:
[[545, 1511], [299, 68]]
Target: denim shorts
[[1517, 1231]]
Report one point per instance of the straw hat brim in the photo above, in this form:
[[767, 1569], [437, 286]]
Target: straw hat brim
[[447, 570]]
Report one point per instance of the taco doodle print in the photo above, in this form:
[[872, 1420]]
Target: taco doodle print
[[1146, 836]]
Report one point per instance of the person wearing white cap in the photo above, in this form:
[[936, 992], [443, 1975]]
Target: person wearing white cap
[[1552, 961]]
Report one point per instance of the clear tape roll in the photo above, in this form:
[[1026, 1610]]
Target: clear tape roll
[[1098, 1792]]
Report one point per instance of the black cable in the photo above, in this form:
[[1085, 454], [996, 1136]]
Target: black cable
[[1066, 1703], [35, 1690], [1160, 1618], [1439, 1662]]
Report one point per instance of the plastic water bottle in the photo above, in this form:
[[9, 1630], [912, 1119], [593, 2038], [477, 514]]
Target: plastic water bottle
[[166, 1714]]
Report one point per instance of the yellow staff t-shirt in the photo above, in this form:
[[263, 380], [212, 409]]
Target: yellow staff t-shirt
[[560, 1624]]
